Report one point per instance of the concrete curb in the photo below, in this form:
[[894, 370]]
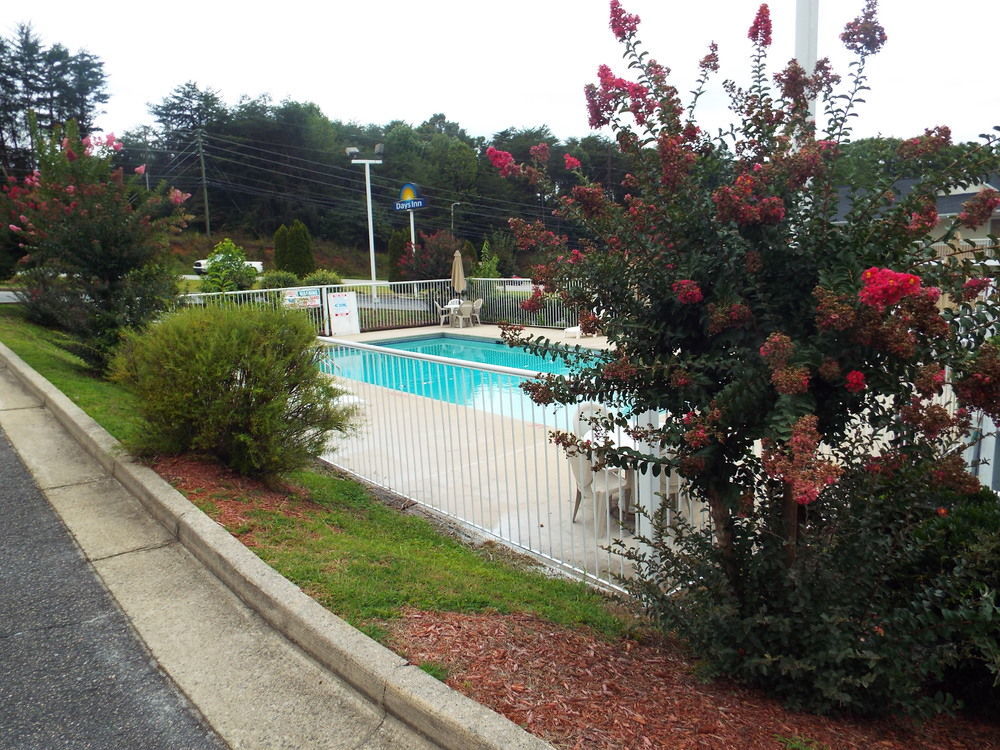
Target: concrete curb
[[443, 715]]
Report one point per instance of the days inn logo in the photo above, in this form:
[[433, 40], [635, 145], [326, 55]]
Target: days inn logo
[[409, 198]]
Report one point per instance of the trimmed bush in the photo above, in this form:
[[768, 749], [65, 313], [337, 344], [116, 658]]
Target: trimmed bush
[[321, 277], [279, 279], [238, 383]]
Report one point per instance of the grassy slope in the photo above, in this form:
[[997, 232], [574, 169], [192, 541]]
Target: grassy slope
[[359, 558]]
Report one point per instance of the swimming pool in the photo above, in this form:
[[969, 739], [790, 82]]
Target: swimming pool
[[451, 382], [483, 351]]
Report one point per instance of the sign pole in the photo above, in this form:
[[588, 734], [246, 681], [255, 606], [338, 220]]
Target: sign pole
[[413, 233]]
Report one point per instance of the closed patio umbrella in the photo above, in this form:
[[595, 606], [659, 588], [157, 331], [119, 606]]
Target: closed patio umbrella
[[458, 274]]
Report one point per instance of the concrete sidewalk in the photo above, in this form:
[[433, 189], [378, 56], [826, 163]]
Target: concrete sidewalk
[[162, 560]]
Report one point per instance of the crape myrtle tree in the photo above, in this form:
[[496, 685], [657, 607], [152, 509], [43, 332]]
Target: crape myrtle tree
[[797, 358], [94, 240]]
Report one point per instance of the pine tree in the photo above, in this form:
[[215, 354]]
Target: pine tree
[[281, 248], [300, 256]]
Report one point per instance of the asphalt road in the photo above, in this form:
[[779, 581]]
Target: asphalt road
[[74, 674]]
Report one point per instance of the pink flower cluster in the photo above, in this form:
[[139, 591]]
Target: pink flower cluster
[[740, 203], [571, 162], [978, 210], [923, 220], [623, 24], [864, 35], [854, 381], [687, 291], [974, 287], [540, 153], [760, 30], [800, 465], [931, 142], [503, 161], [777, 349], [602, 102], [882, 287], [177, 197]]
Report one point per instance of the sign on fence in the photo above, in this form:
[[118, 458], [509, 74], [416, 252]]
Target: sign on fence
[[343, 307], [302, 297]]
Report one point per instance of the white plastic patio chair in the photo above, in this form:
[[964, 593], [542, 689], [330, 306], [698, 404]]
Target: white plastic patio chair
[[444, 313], [476, 307], [596, 489], [463, 314]]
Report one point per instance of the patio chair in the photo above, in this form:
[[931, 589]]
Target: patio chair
[[476, 307], [597, 488], [463, 314], [444, 313]]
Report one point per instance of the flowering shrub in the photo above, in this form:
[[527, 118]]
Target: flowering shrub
[[92, 237], [746, 310]]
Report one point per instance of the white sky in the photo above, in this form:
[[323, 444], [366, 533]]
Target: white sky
[[515, 63]]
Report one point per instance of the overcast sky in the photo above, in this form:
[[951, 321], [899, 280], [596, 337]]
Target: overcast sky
[[516, 63]]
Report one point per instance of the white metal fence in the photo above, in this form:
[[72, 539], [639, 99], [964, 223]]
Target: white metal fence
[[408, 304], [464, 440]]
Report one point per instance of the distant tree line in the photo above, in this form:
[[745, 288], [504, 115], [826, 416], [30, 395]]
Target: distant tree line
[[257, 165], [268, 164]]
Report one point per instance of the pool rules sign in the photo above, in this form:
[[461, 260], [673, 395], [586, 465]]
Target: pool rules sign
[[343, 310]]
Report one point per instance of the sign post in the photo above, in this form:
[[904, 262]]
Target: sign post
[[410, 200]]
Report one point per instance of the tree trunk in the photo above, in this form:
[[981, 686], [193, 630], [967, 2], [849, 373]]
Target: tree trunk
[[722, 522], [793, 515]]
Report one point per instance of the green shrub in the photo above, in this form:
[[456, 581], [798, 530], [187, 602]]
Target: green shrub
[[278, 279], [890, 604], [227, 269], [321, 277], [239, 383]]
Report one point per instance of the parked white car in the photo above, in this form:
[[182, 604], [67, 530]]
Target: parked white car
[[201, 266]]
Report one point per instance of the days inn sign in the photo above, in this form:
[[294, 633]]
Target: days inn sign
[[409, 198]]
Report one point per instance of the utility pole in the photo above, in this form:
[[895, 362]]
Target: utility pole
[[806, 39], [204, 182]]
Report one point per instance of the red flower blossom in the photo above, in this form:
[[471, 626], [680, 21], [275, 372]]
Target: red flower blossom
[[864, 35], [854, 381], [540, 153], [777, 349], [710, 62], [502, 160], [688, 292], [974, 287], [571, 162], [623, 24], [883, 286], [760, 31], [978, 210]]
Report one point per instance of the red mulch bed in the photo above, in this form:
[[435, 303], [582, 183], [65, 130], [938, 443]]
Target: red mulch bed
[[574, 689]]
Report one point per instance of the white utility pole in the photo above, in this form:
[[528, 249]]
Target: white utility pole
[[371, 225], [807, 39]]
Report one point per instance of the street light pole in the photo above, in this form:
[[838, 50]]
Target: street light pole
[[352, 152], [457, 203]]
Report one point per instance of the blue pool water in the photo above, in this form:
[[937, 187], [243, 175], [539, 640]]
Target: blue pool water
[[466, 386], [484, 351]]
